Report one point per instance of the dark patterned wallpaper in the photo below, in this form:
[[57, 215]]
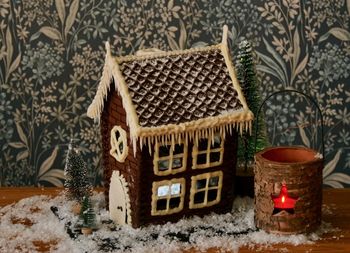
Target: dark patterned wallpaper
[[51, 55]]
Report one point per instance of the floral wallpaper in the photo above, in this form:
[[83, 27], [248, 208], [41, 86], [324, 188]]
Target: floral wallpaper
[[52, 52]]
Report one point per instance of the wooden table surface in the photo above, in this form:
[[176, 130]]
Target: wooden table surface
[[336, 200]]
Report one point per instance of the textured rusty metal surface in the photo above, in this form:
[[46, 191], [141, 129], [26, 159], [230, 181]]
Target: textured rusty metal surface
[[303, 180], [180, 88]]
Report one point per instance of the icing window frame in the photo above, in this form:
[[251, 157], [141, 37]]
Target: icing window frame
[[170, 158], [208, 152], [204, 191], [168, 195], [118, 137]]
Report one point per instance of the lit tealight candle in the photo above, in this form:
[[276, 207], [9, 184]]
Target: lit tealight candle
[[283, 201]]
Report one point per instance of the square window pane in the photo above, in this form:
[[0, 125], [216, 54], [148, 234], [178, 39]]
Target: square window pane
[[214, 157], [161, 204], [175, 189], [217, 142], [163, 191], [213, 181], [164, 151], [202, 159], [179, 149], [163, 165], [199, 197], [212, 194], [177, 163], [202, 144], [200, 184], [174, 202]]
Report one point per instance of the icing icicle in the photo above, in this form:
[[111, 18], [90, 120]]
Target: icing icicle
[[166, 132]]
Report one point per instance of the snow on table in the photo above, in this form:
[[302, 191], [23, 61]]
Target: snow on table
[[31, 223]]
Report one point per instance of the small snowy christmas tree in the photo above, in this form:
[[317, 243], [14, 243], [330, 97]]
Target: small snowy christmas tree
[[250, 87], [77, 183]]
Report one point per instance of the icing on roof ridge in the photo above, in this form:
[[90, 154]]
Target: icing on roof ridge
[[163, 54]]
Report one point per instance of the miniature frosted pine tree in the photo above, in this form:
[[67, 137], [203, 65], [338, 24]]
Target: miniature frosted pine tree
[[87, 213], [77, 183], [250, 87]]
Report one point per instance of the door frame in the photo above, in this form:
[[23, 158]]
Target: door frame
[[118, 179]]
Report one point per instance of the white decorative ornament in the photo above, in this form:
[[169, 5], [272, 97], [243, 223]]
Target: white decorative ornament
[[119, 145], [119, 200]]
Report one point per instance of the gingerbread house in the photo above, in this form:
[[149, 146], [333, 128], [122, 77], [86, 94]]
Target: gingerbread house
[[169, 124]]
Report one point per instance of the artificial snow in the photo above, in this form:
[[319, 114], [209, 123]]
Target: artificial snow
[[42, 219]]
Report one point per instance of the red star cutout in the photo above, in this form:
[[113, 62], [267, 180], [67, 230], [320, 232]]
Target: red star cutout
[[283, 201]]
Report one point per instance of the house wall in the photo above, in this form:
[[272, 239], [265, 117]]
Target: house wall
[[114, 114], [148, 177]]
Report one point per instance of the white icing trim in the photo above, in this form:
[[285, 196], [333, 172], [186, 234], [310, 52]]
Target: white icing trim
[[167, 197], [232, 73], [207, 152], [131, 116], [170, 159], [119, 177], [148, 51], [115, 151], [224, 35], [188, 131], [164, 54], [96, 106], [194, 189]]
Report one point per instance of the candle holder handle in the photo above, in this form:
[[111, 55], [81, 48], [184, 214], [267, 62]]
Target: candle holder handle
[[290, 91]]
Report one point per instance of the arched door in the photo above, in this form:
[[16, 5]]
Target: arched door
[[119, 202]]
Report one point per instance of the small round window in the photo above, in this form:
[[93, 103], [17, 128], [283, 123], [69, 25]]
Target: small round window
[[119, 147]]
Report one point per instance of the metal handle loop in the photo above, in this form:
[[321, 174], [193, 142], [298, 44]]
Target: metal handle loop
[[301, 93]]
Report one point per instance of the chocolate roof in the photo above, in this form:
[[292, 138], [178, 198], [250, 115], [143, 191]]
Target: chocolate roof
[[174, 89], [177, 95]]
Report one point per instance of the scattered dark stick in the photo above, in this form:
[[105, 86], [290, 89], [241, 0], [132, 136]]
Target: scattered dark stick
[[73, 233], [54, 209]]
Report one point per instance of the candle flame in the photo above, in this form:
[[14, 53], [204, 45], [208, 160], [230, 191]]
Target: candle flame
[[283, 199]]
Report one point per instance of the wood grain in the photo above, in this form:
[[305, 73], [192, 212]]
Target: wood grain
[[336, 201]]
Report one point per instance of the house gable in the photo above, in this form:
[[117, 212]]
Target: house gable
[[176, 96]]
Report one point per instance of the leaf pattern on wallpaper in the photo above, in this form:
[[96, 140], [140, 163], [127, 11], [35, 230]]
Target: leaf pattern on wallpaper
[[66, 23], [275, 64], [50, 32], [339, 33], [47, 174], [332, 178], [48, 87], [52, 53], [61, 10], [10, 60]]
